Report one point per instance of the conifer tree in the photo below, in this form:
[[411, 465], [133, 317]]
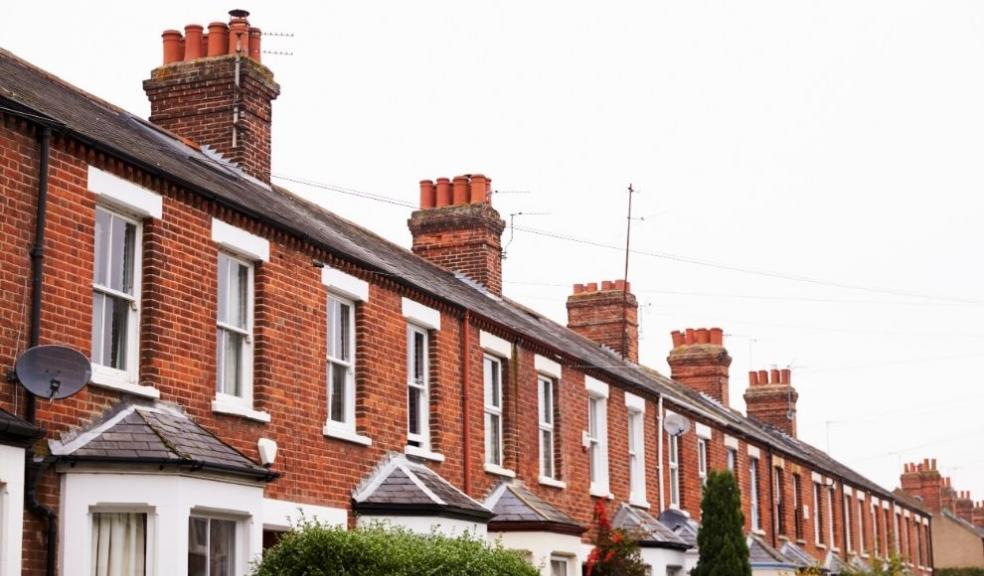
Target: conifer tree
[[721, 540]]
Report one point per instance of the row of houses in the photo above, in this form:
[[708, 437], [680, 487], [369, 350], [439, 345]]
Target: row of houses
[[256, 357]]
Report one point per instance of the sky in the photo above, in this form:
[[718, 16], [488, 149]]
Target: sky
[[808, 174]]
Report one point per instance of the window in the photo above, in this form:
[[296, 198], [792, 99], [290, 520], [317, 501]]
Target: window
[[797, 507], [860, 525], [702, 462], [558, 566], [818, 513], [754, 491], [848, 521], [732, 456], [116, 295], [674, 471], [234, 345], [418, 396], [637, 458], [597, 436], [119, 544], [887, 531], [875, 540], [918, 534], [897, 534], [493, 411], [830, 516], [211, 547], [779, 490], [341, 363], [548, 456]]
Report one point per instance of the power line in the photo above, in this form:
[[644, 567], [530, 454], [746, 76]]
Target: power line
[[348, 191]]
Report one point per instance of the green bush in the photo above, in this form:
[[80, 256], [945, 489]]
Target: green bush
[[313, 549], [959, 572]]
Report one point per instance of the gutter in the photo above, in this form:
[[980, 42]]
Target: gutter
[[190, 465]]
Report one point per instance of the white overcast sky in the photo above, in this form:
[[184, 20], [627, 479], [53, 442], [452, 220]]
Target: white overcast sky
[[835, 140]]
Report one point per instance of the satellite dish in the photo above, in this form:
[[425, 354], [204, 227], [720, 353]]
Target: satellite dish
[[675, 424], [53, 372]]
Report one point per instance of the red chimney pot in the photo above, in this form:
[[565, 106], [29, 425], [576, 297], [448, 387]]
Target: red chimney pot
[[193, 42]]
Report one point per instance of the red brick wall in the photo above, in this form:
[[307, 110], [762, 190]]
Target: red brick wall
[[608, 316]]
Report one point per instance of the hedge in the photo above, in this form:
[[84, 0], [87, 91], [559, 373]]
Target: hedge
[[959, 572], [313, 549]]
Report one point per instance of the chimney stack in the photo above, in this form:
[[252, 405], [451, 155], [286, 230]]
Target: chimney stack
[[923, 480], [212, 90], [457, 228], [609, 316], [977, 516], [699, 360], [964, 506], [771, 399]]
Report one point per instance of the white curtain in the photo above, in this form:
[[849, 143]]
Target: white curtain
[[118, 544]]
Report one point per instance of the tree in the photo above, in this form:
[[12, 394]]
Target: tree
[[721, 540], [616, 553]]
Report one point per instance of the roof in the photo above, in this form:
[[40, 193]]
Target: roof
[[516, 508], [37, 94], [834, 565], [403, 486], [797, 555], [15, 431], [651, 532], [761, 555], [947, 513], [157, 434], [681, 524]]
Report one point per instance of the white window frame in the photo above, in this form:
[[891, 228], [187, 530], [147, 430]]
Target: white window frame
[[898, 530], [731, 459], [240, 538], [875, 540], [150, 529], [636, 410], [778, 487], [830, 516], [818, 515], [702, 462], [546, 387], [597, 442], [674, 458], [343, 430], [492, 412], [861, 547], [566, 561], [753, 481], [848, 517], [421, 438], [106, 376]]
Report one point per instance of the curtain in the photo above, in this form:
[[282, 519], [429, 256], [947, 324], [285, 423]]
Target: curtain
[[119, 544]]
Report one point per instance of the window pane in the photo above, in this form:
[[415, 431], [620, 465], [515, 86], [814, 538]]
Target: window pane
[[593, 417], [493, 427], [240, 296], [496, 385], [558, 567], [230, 358], [223, 288], [413, 411], [119, 544], [344, 327], [546, 453], [121, 250], [115, 328], [546, 401], [222, 548], [98, 301], [197, 547], [338, 375], [101, 258], [419, 349]]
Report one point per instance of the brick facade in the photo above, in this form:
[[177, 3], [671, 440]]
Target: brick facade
[[609, 316]]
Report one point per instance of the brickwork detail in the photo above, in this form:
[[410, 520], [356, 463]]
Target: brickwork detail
[[771, 399], [699, 360], [608, 316]]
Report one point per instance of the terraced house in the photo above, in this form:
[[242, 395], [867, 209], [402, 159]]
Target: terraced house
[[255, 357]]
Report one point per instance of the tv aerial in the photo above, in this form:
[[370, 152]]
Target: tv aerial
[[676, 425], [53, 372]]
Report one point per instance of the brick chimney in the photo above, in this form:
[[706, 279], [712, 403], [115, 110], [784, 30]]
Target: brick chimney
[[771, 399], [923, 481], [609, 316], [977, 517], [964, 506], [699, 360], [457, 228], [213, 90]]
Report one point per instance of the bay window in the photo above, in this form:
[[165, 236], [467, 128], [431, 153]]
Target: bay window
[[211, 547], [119, 544]]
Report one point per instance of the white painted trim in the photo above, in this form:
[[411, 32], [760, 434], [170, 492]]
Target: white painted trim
[[885, 505], [283, 514], [859, 495], [848, 491], [925, 521], [125, 195], [423, 453], [635, 403], [905, 514], [11, 509], [640, 503], [119, 380], [223, 405], [239, 241], [703, 430], [553, 482], [730, 442], [779, 462], [816, 477], [60, 448], [875, 501], [340, 432], [596, 387], [499, 470], [547, 366], [754, 452], [345, 285], [421, 315], [495, 345]]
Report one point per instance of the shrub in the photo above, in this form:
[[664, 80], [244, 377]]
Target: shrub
[[313, 549], [721, 539], [959, 572], [616, 553]]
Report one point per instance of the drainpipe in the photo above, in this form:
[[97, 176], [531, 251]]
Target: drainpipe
[[774, 516], [465, 400], [659, 450], [34, 469]]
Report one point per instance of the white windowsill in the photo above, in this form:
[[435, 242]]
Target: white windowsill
[[676, 507], [225, 407], [598, 492], [333, 431], [639, 503], [553, 482], [423, 453], [758, 531], [496, 469], [118, 380]]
